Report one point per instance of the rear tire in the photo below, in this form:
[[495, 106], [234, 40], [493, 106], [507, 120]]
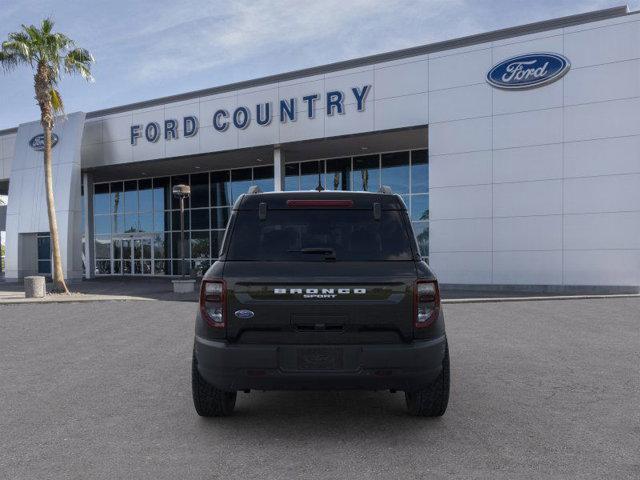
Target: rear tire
[[433, 400], [208, 400]]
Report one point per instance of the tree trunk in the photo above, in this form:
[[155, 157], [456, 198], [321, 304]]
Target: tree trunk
[[59, 284], [42, 84]]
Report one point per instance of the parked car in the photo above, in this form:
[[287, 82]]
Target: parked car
[[315, 291]]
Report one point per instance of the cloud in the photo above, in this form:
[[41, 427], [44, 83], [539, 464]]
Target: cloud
[[245, 30]]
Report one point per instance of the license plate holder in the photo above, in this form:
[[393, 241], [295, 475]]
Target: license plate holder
[[320, 358]]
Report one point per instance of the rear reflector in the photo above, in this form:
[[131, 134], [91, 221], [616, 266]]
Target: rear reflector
[[320, 203]]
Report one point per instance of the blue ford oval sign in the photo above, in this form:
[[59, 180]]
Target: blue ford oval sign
[[528, 71], [37, 142], [244, 314]]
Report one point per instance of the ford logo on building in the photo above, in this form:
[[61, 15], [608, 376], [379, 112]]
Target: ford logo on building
[[528, 71], [37, 142]]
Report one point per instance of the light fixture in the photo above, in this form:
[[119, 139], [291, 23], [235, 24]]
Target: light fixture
[[258, 160], [197, 167], [364, 149], [143, 173]]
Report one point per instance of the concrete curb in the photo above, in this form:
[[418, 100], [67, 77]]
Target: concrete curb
[[73, 299], [537, 299]]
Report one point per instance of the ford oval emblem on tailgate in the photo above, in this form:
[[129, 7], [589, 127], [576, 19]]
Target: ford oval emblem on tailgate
[[244, 313]]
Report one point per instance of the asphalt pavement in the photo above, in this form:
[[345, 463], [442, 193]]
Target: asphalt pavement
[[102, 390]]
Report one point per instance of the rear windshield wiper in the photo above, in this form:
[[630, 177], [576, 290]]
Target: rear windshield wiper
[[329, 253]]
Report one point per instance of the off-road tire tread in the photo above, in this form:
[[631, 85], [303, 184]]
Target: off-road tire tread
[[207, 399], [433, 400]]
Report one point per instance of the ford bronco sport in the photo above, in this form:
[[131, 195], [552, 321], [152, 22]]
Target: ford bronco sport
[[320, 290]]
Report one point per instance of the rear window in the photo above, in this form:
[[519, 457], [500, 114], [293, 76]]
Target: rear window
[[318, 235]]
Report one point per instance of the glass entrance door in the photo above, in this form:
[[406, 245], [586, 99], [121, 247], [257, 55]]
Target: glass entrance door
[[133, 255], [142, 256]]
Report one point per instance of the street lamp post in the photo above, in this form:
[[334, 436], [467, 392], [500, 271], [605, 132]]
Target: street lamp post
[[182, 192]]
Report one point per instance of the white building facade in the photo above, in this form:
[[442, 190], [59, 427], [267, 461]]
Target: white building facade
[[526, 174]]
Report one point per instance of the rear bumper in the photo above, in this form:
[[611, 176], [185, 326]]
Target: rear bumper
[[320, 367]]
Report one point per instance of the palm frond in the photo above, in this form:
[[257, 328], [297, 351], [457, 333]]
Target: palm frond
[[35, 35], [8, 60], [56, 101], [47, 25], [79, 60], [47, 52]]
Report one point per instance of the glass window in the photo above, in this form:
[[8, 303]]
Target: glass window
[[420, 207], [103, 267], [117, 248], [177, 266], [220, 189], [200, 245], [179, 180], [175, 244], [44, 267], [145, 195], [200, 266], [200, 219], [118, 223], [421, 229], [161, 221], [161, 194], [131, 223], [126, 249], [200, 190], [219, 217], [366, 173], [175, 220], [102, 224], [161, 245], [117, 190], [103, 247], [419, 171], [117, 267], [240, 182], [145, 222], [131, 196], [101, 198], [263, 178], [395, 171], [291, 177], [311, 235], [311, 174], [162, 267], [338, 175], [44, 246]]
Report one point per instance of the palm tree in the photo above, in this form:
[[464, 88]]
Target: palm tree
[[47, 53]]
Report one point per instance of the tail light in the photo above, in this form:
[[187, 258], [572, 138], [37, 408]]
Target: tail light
[[212, 302], [427, 303]]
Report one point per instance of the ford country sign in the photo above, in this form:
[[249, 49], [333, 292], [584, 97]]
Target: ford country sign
[[37, 142], [528, 71]]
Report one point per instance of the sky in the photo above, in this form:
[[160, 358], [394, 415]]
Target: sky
[[149, 49]]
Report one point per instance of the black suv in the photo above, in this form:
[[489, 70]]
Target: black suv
[[320, 290]]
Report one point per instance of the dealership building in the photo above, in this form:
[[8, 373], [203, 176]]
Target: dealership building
[[517, 153]]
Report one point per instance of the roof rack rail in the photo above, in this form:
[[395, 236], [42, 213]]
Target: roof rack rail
[[254, 189], [385, 189]]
